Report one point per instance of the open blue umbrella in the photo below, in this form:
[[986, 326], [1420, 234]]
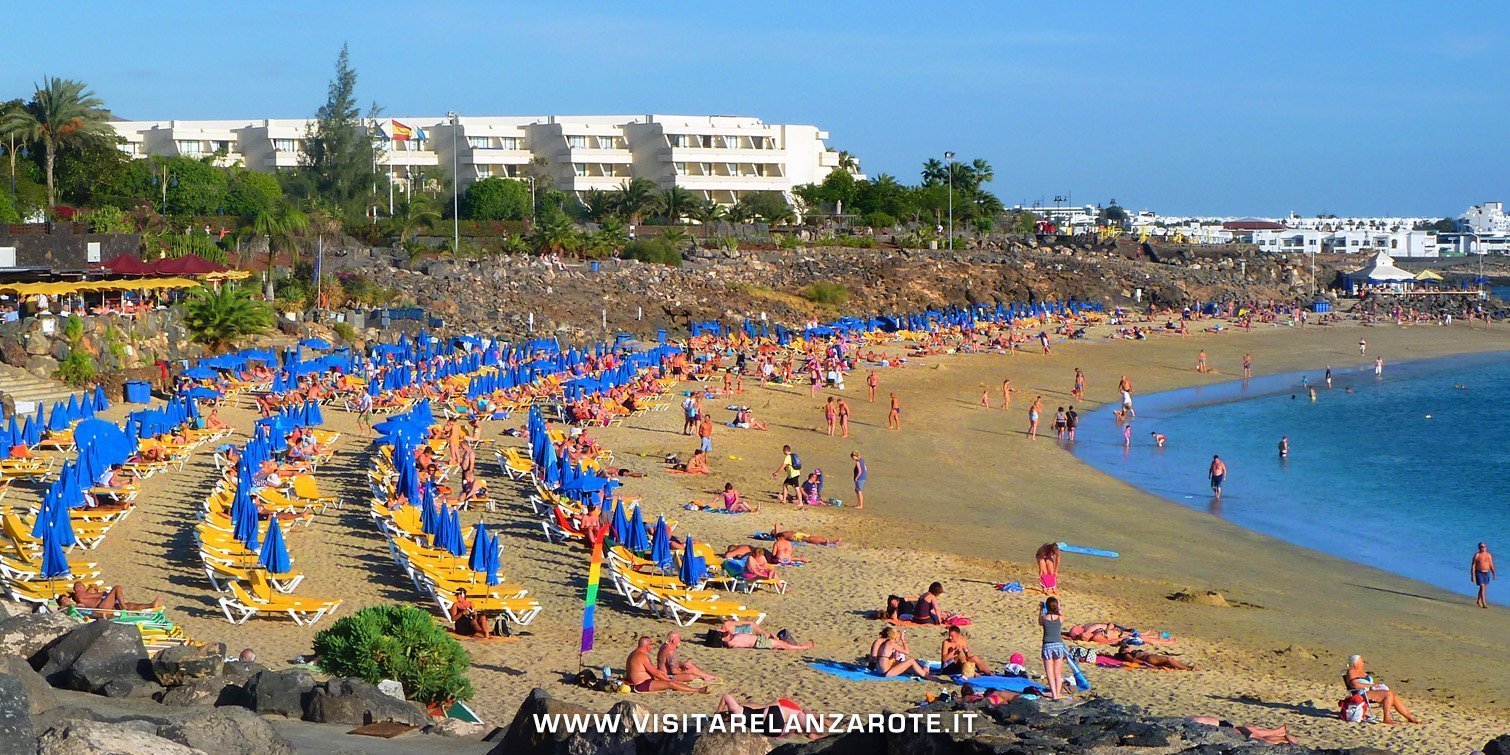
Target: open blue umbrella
[[693, 571], [274, 555], [636, 540]]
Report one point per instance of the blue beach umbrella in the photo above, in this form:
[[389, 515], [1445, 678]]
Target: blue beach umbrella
[[440, 539], [274, 555], [54, 560], [636, 540], [478, 562], [428, 520], [253, 527], [100, 402], [619, 528], [454, 542], [693, 571], [494, 559]]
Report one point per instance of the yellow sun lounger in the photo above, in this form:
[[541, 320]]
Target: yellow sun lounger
[[241, 605], [221, 573]]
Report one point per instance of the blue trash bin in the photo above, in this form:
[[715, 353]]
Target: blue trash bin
[[594, 266], [1321, 307], [137, 392]]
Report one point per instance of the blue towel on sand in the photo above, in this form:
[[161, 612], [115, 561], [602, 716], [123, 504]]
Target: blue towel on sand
[[854, 672], [983, 683]]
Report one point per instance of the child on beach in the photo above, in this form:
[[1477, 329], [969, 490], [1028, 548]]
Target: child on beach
[[1158, 439]]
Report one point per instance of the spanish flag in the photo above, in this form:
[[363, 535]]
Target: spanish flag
[[401, 133]]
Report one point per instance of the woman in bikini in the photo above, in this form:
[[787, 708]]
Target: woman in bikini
[[890, 656], [1033, 413], [831, 415]]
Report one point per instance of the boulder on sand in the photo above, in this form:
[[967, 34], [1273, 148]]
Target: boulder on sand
[[91, 655]]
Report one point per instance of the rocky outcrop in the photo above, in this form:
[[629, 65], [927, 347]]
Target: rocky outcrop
[[92, 655], [355, 702]]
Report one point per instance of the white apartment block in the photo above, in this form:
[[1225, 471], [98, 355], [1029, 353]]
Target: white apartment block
[[715, 157], [1397, 243], [1487, 219]]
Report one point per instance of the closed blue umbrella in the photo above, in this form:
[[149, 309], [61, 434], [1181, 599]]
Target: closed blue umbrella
[[274, 555], [693, 571], [54, 560], [74, 412], [636, 540], [494, 559], [619, 529], [100, 402], [428, 520], [57, 419], [440, 539], [480, 541], [252, 528], [13, 434], [312, 415], [454, 542]]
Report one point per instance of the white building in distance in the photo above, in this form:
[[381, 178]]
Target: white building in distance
[[715, 157]]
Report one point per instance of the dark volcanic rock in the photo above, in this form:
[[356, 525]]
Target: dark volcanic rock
[[91, 655], [284, 693], [181, 664], [15, 714], [355, 702]]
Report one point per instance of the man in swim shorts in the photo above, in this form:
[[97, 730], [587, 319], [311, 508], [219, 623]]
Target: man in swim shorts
[[1481, 571], [791, 481], [860, 472], [1217, 473], [641, 672]]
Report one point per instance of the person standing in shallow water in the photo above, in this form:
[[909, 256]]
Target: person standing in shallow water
[[1217, 474]]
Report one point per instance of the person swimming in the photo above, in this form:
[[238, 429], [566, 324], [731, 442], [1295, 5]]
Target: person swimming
[[1284, 446]]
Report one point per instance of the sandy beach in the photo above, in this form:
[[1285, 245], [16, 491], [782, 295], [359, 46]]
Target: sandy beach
[[958, 495]]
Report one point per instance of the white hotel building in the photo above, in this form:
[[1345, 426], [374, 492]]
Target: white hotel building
[[716, 157]]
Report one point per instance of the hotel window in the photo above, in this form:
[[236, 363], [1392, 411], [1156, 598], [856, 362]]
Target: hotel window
[[731, 142], [477, 142], [576, 142], [484, 171], [188, 147], [286, 145], [579, 168], [681, 168], [221, 146], [508, 142]]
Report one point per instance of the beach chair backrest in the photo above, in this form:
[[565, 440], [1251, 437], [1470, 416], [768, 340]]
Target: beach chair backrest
[[304, 487]]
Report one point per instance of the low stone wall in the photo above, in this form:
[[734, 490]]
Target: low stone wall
[[113, 342]]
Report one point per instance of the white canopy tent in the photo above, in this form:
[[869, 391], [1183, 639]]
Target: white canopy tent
[[1382, 270]]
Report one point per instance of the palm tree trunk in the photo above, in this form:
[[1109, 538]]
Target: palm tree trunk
[[52, 194], [267, 292]]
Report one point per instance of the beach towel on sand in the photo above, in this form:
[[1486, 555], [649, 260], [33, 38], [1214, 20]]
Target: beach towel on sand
[[983, 683], [855, 672]]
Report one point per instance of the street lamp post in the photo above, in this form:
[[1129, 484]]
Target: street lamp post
[[950, 168], [455, 186]]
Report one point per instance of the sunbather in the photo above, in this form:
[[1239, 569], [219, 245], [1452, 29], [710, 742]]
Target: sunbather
[[890, 656], [748, 634], [91, 596], [1109, 633], [680, 670], [772, 719], [1357, 679], [643, 675], [732, 501], [758, 567], [1270, 736], [1152, 659], [801, 537]]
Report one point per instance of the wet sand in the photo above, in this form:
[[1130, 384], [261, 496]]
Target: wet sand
[[958, 495]]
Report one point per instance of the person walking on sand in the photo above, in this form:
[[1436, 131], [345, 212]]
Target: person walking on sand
[[1054, 652], [1362, 347], [843, 409], [1079, 390], [872, 381], [1033, 413], [1481, 571], [790, 479], [1247, 366], [1200, 362], [831, 415], [894, 416], [1043, 341], [1006, 394], [1217, 474], [705, 434], [860, 473], [985, 396], [1071, 421], [1124, 385]]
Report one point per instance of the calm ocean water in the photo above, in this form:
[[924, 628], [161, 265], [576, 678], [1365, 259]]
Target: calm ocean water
[[1406, 473]]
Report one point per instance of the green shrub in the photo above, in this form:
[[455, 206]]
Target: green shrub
[[788, 241], [827, 293], [654, 249], [73, 330], [345, 332], [878, 219], [76, 368], [110, 219], [397, 642]]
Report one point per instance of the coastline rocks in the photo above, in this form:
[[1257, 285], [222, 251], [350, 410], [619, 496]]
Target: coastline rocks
[[81, 737], [15, 712], [227, 731], [524, 737], [40, 697], [1500, 745], [355, 702], [91, 655], [284, 693], [179, 665], [28, 633]]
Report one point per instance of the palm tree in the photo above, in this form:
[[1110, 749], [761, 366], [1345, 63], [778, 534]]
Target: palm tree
[[637, 198], [61, 114], [848, 161], [554, 234], [14, 133], [982, 170], [221, 318], [707, 212], [419, 212], [513, 244], [934, 172], [677, 201], [676, 237], [612, 234], [281, 225], [598, 204]]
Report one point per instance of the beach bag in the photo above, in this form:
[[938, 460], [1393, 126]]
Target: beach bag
[[1353, 708], [796, 461]]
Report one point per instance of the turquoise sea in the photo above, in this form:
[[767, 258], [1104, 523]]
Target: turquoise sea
[[1407, 472]]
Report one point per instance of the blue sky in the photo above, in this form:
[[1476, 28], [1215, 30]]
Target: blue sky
[[1385, 107]]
